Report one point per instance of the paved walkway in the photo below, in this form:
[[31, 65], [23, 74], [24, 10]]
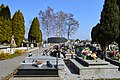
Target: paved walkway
[[9, 65]]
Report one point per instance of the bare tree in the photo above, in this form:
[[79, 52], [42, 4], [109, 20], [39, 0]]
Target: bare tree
[[46, 18], [72, 24], [58, 24]]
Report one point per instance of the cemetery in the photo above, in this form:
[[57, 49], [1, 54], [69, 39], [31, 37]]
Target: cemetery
[[85, 65], [78, 42]]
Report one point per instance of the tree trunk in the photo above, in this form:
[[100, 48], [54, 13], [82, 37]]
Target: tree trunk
[[58, 32], [68, 32], [47, 32], [104, 54], [103, 47]]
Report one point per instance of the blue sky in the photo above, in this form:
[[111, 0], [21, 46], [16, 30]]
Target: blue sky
[[87, 12]]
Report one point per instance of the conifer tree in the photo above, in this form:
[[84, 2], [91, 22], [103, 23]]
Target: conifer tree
[[5, 11], [1, 10], [118, 38], [95, 33], [5, 24], [18, 27], [5, 30], [8, 13], [109, 24], [35, 34]]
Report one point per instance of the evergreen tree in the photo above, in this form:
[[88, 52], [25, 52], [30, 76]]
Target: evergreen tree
[[5, 30], [18, 27], [95, 33], [35, 34], [118, 38], [2, 6], [5, 24], [8, 13], [118, 41], [109, 23], [39, 36], [5, 11], [1, 10]]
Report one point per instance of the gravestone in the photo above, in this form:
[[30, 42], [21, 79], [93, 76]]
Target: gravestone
[[95, 69]]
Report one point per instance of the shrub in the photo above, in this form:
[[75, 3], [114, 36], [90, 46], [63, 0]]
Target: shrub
[[4, 56], [18, 52]]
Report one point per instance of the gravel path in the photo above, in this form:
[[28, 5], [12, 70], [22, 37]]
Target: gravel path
[[9, 65]]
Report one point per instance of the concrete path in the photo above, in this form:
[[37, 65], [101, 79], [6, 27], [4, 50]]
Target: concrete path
[[9, 65]]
